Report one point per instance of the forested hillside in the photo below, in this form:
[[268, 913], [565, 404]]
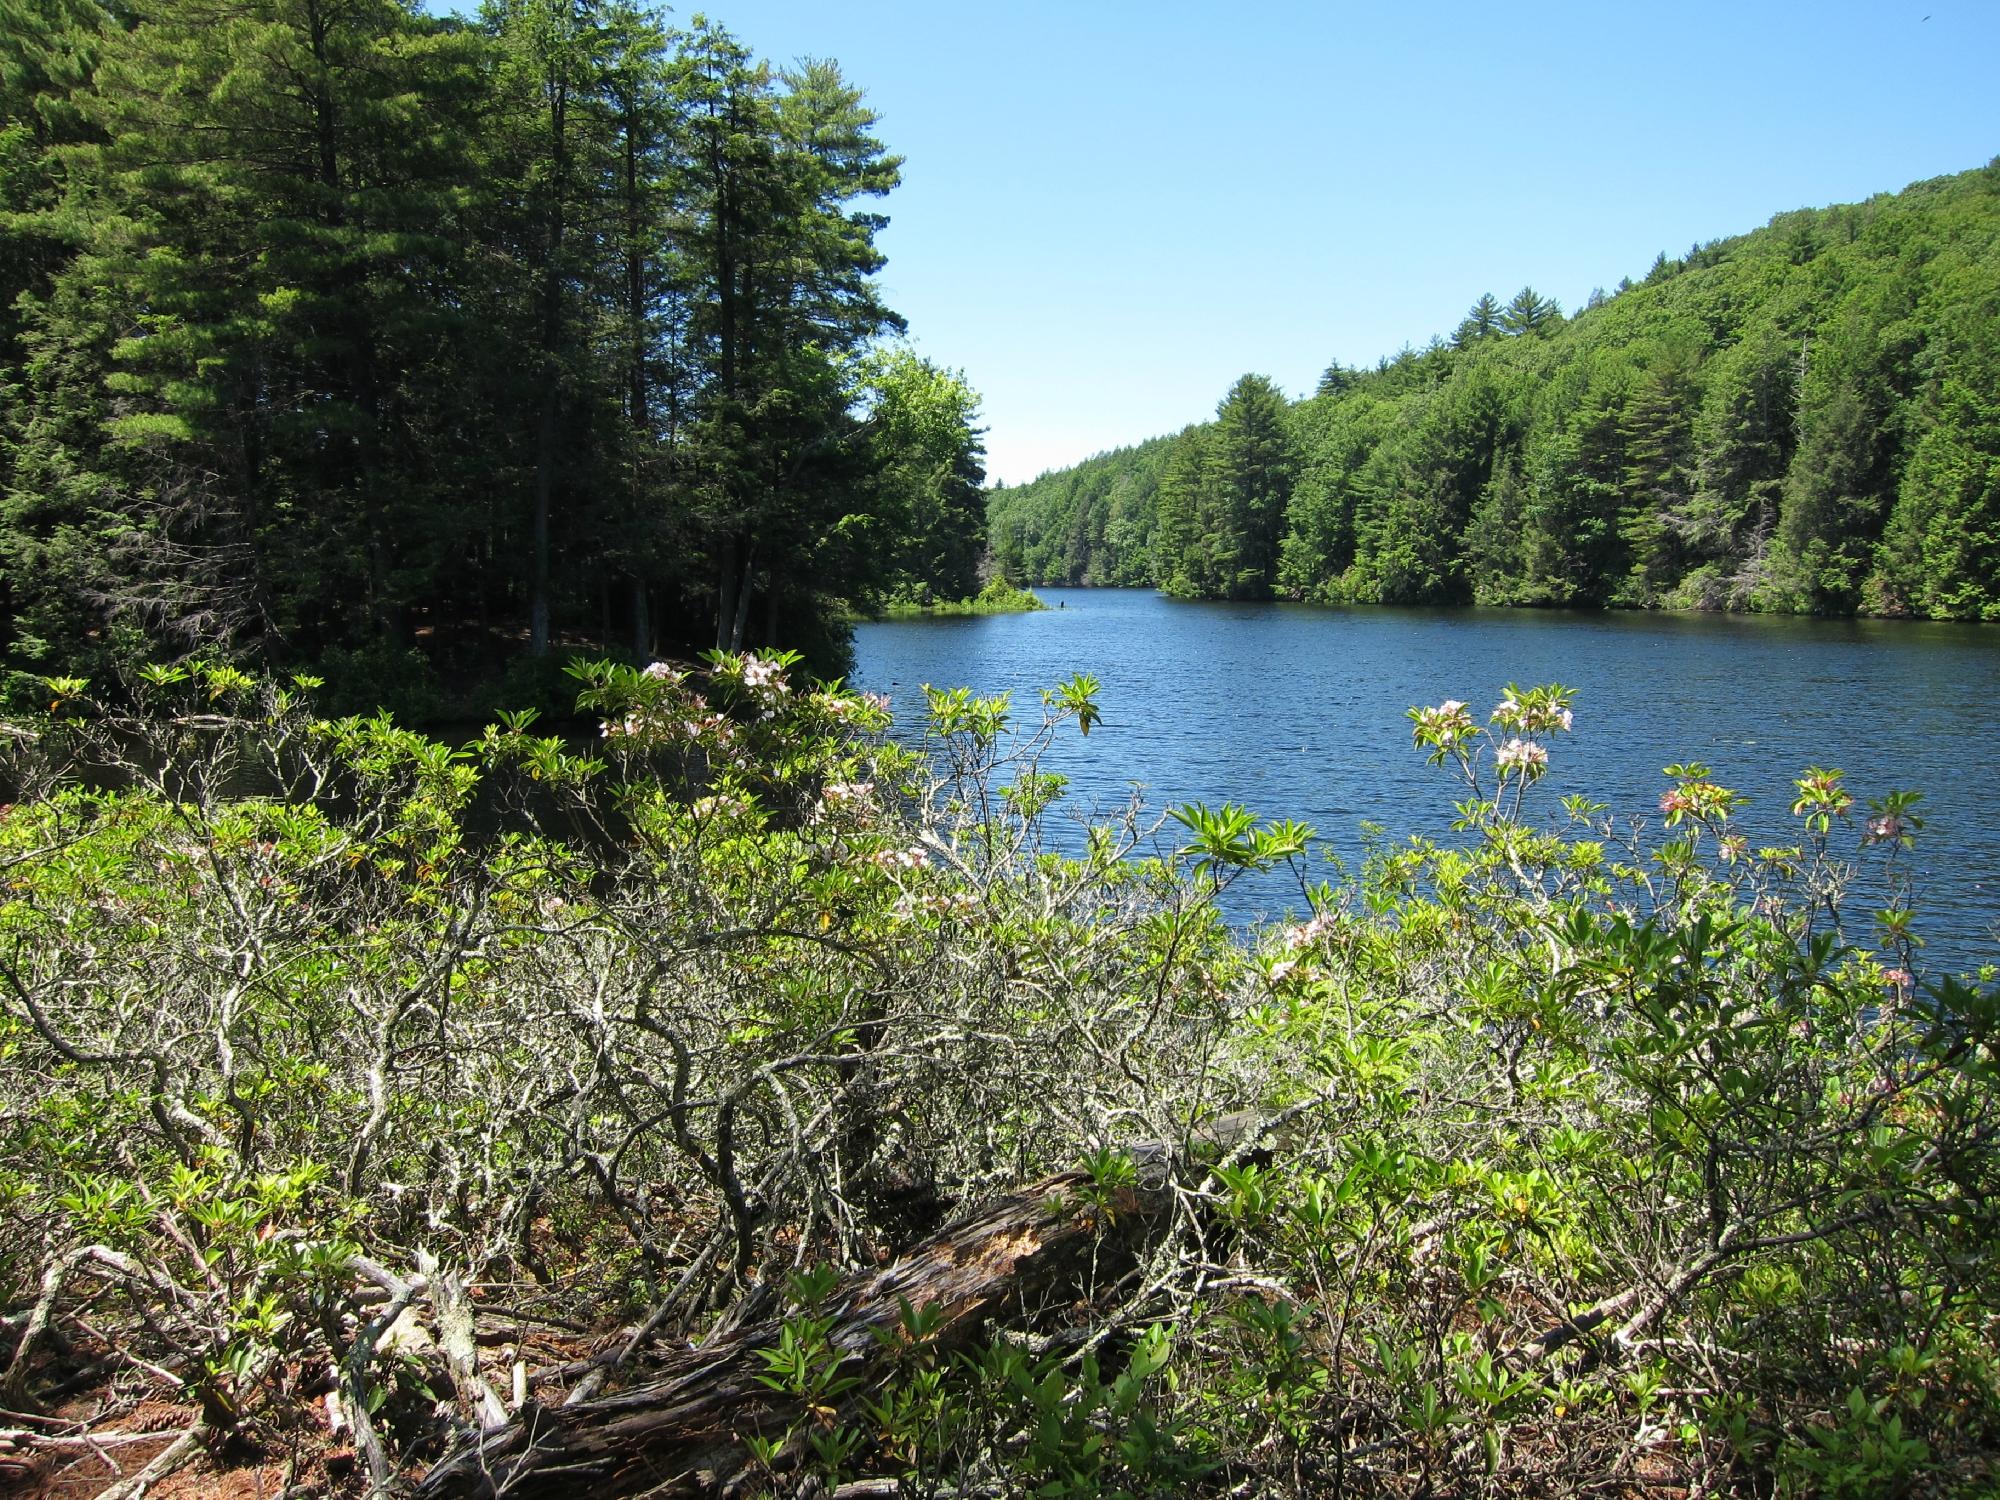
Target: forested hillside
[[332, 333], [1802, 419]]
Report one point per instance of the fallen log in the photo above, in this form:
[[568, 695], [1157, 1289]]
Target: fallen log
[[681, 1433]]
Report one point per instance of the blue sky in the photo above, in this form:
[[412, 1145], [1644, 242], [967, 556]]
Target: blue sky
[[1111, 210]]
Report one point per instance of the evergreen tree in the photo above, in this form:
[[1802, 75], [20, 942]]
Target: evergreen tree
[[1656, 436], [1180, 563], [780, 271], [1941, 552], [554, 57], [1484, 320], [1250, 475], [1743, 438], [49, 51], [1335, 380], [1529, 312], [1842, 478], [1574, 467], [1321, 522], [1495, 550], [275, 197]]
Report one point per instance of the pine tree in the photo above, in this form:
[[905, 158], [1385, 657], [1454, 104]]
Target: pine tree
[[275, 187], [1529, 312], [1250, 473], [1656, 435], [1322, 522], [1180, 565], [1743, 440], [1483, 320], [780, 270], [1841, 483], [1941, 550]]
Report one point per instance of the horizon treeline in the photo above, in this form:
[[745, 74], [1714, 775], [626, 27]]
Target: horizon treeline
[[1804, 419], [334, 333]]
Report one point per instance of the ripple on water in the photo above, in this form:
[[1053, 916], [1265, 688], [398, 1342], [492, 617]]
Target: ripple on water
[[1299, 712]]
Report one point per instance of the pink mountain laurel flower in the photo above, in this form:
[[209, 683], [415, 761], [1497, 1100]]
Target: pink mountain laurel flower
[[1443, 725], [1886, 828], [1310, 932], [847, 791], [664, 673], [911, 858], [1524, 755], [1512, 714], [760, 673], [1819, 789]]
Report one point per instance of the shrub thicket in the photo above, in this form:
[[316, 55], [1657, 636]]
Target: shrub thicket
[[1585, 1162]]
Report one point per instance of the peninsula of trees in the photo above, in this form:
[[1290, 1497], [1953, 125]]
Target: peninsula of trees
[[1802, 419], [336, 334]]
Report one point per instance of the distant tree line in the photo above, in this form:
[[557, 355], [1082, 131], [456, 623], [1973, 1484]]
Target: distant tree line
[[1803, 419], [334, 333]]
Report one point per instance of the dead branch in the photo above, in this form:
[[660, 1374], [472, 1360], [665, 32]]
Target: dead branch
[[677, 1435]]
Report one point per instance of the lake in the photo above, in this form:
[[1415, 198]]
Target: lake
[[1298, 711]]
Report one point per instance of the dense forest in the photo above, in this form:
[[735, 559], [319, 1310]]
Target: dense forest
[[1802, 419], [335, 333]]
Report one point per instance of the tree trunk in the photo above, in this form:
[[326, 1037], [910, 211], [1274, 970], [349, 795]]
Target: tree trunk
[[727, 593], [732, 605], [678, 1434], [552, 343], [744, 591], [545, 460], [642, 623]]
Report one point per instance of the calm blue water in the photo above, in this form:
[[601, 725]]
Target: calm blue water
[[1298, 711]]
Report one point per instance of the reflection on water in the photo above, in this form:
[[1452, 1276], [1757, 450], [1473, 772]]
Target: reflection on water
[[1298, 711]]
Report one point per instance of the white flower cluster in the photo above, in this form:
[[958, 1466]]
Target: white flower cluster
[[949, 903], [1443, 725], [841, 705], [1307, 933], [1536, 719], [1524, 755], [763, 675]]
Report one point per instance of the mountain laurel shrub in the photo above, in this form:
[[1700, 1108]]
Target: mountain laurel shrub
[[1598, 1158]]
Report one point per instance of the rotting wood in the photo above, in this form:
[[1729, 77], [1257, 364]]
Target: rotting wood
[[681, 1432]]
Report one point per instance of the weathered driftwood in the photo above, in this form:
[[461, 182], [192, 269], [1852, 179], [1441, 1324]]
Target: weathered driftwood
[[681, 1432]]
